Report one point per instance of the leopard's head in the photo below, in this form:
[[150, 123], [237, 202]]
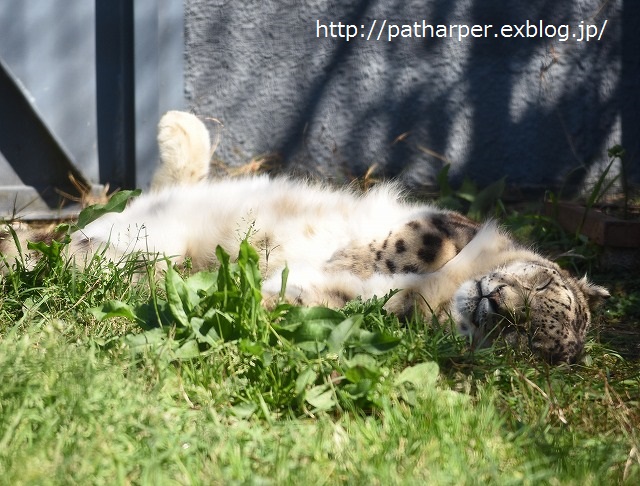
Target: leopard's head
[[533, 303]]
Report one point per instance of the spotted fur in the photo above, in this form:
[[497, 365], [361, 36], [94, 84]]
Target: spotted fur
[[339, 245], [534, 303]]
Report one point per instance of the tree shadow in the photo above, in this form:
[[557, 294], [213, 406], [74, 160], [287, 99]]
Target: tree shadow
[[533, 109]]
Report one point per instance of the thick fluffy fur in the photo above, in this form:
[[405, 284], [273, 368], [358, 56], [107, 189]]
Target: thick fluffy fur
[[185, 150], [339, 245]]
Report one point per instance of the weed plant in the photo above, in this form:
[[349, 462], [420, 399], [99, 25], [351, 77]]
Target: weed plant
[[112, 376]]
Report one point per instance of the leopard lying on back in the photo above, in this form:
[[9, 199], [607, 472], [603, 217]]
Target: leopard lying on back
[[339, 245]]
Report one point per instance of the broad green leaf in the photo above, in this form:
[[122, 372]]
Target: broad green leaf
[[114, 308], [219, 325], [362, 367], [266, 358], [188, 350], [51, 251], [314, 314], [244, 410], [63, 228], [202, 334], [360, 388], [116, 204], [377, 342], [151, 315], [316, 331], [305, 378], [148, 339], [177, 296], [247, 253], [422, 375], [256, 349], [321, 397], [468, 190], [202, 282], [287, 327], [309, 323], [341, 333], [247, 260], [312, 347], [211, 333]]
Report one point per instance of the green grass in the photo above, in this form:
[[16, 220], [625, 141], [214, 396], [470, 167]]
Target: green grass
[[191, 381]]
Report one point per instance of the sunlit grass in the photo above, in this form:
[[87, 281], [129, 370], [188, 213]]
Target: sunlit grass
[[105, 381]]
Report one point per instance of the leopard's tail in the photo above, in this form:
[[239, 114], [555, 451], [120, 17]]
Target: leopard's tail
[[185, 150]]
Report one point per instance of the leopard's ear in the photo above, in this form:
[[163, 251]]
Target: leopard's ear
[[595, 294]]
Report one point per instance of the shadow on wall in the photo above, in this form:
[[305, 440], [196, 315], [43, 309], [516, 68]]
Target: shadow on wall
[[532, 101]]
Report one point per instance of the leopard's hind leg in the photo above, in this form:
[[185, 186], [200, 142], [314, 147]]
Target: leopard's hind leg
[[421, 245]]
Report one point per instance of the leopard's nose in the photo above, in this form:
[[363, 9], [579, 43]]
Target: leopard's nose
[[491, 303], [494, 298]]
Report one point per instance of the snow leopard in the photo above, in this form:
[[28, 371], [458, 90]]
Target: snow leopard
[[340, 244]]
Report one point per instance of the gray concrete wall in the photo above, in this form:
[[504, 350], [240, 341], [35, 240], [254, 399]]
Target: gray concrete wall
[[531, 108]]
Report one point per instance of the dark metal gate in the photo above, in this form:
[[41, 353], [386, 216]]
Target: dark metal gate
[[82, 85]]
